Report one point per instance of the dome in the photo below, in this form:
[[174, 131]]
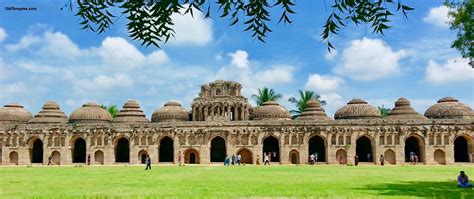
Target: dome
[[90, 112], [313, 111], [270, 111], [357, 109], [449, 108], [14, 112], [404, 111], [131, 112], [171, 112], [50, 113]]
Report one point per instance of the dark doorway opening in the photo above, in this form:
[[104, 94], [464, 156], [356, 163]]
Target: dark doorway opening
[[412, 145], [143, 158], [364, 149], [122, 150], [218, 150], [192, 158], [461, 151], [37, 152], [166, 150], [317, 147], [79, 151], [272, 147]]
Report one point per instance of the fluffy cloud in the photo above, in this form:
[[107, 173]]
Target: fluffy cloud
[[195, 31], [102, 83], [454, 70], [3, 34], [276, 74], [438, 16], [323, 83], [368, 59], [240, 59], [117, 52]]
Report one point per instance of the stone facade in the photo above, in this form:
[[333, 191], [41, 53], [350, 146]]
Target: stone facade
[[223, 122]]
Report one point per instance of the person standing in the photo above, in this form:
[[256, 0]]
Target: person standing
[[382, 159], [369, 157], [233, 159], [239, 157], [89, 159], [226, 160], [180, 160], [356, 160], [148, 162], [311, 159], [340, 160], [266, 159], [50, 158], [412, 157], [416, 159]]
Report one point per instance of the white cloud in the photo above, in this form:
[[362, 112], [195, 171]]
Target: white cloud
[[118, 53], [276, 74], [25, 42], [239, 59], [334, 101], [103, 83], [438, 16], [323, 83], [58, 45], [3, 34], [195, 31], [454, 70], [368, 59], [158, 58]]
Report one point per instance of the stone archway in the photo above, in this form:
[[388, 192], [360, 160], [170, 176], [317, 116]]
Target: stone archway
[[341, 153], [294, 157], [317, 147], [56, 158], [13, 158], [166, 152], [364, 149], [440, 156], [390, 157], [414, 145], [271, 146], [37, 151], [122, 150], [79, 151], [142, 154], [99, 157], [218, 149], [191, 156], [461, 149], [245, 156]]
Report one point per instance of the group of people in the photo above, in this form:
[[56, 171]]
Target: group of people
[[313, 158], [413, 158], [234, 160], [267, 157]]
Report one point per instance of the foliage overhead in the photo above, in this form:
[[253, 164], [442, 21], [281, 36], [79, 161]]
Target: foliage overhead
[[384, 111], [112, 109], [303, 100], [150, 21], [266, 95], [462, 14]]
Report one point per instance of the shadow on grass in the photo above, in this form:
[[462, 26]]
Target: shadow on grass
[[446, 189]]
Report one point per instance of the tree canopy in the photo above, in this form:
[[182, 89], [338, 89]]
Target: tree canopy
[[265, 95], [384, 111], [302, 102], [462, 15], [112, 109]]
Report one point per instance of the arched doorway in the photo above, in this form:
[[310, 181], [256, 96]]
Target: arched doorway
[[14, 158], [294, 157], [389, 156], [122, 150], [99, 157], [364, 149], [142, 154], [218, 149], [56, 157], [79, 151], [37, 152], [191, 156], [317, 147], [341, 153], [461, 149], [245, 156], [413, 145], [440, 157], [166, 150], [271, 146]]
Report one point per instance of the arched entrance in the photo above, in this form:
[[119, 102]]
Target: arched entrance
[[415, 146], [317, 147], [191, 156], [461, 149], [166, 150], [122, 150], [14, 158], [245, 156], [294, 157], [271, 146], [364, 149], [37, 152], [341, 153], [440, 157], [99, 157], [142, 154], [218, 149], [56, 158], [389, 156], [79, 151]]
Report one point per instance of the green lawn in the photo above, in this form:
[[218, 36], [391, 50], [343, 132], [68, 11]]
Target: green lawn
[[234, 181]]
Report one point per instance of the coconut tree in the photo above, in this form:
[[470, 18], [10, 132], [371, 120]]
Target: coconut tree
[[265, 95], [303, 100], [384, 111], [112, 109]]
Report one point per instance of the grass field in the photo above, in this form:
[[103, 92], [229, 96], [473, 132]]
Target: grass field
[[234, 181]]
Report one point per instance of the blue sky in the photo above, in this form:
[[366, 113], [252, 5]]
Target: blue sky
[[44, 55]]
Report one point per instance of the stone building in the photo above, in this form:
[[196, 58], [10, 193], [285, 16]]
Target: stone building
[[223, 122]]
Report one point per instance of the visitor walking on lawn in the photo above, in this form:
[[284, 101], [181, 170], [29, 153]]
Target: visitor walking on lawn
[[49, 160], [226, 160], [238, 159], [382, 159], [148, 162], [89, 159], [233, 159], [180, 158], [356, 160], [463, 180], [266, 159], [340, 160]]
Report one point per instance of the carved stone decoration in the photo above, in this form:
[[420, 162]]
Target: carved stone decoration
[[245, 139], [254, 140], [192, 140], [294, 140], [201, 139], [287, 139], [233, 139], [182, 140]]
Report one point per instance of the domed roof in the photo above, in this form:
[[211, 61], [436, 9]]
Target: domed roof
[[172, 111], [50, 113], [313, 111], [357, 109], [449, 108], [404, 111], [131, 112], [271, 111], [14, 112], [90, 112]]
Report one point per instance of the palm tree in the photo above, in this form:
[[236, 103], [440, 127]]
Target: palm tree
[[112, 109], [265, 95], [384, 111], [302, 103]]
